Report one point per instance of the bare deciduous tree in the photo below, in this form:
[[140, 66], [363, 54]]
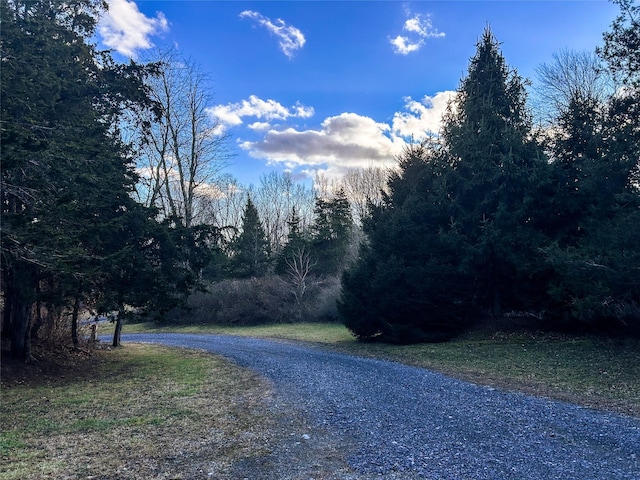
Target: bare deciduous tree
[[224, 205], [572, 75], [185, 147], [276, 195], [363, 186], [360, 185], [299, 265]]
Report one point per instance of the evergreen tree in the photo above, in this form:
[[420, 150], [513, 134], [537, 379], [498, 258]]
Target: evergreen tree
[[594, 255], [331, 233], [494, 185], [622, 44], [407, 284], [458, 233], [58, 154], [250, 249], [296, 243], [70, 228]]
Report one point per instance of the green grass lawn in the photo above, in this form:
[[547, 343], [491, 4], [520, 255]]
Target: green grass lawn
[[138, 412], [327, 333], [591, 371]]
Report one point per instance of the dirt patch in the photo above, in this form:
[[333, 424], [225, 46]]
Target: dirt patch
[[51, 366]]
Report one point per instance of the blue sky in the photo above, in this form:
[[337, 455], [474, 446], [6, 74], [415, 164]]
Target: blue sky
[[331, 85]]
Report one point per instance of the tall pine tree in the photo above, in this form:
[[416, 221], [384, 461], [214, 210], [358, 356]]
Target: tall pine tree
[[497, 171], [457, 236], [331, 233], [250, 250]]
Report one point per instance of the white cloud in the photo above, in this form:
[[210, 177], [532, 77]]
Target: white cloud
[[421, 117], [289, 37], [233, 113], [416, 25], [350, 140], [344, 141], [259, 126], [417, 28], [404, 46], [126, 29]]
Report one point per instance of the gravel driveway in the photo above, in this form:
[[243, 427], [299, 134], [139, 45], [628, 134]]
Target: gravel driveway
[[396, 422]]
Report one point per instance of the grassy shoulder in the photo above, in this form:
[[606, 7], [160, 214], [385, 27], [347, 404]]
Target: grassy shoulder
[[590, 371], [136, 412]]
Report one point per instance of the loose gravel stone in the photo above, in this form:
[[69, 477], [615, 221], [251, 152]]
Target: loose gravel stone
[[397, 422]]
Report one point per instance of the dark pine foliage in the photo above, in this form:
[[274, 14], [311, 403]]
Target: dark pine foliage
[[331, 233], [490, 220], [407, 284], [71, 231], [457, 236], [250, 255]]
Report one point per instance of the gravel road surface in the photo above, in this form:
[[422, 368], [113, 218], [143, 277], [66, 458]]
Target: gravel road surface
[[391, 421]]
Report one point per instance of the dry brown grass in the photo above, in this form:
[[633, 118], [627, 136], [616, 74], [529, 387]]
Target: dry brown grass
[[139, 412]]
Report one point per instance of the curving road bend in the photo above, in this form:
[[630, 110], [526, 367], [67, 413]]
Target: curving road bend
[[394, 421]]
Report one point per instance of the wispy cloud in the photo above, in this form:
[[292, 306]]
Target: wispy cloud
[[126, 29], [289, 37], [232, 114], [416, 29]]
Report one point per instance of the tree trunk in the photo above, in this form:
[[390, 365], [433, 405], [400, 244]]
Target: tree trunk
[[35, 326], [28, 358], [19, 291], [74, 322], [94, 335], [20, 331], [116, 333]]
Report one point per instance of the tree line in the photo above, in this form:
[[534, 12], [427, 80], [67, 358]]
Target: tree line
[[114, 197]]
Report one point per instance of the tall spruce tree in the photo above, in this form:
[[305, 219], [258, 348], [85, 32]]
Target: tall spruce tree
[[457, 235], [250, 250], [498, 171], [331, 233]]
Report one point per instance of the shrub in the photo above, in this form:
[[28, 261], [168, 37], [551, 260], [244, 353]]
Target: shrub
[[261, 300], [323, 301], [240, 302]]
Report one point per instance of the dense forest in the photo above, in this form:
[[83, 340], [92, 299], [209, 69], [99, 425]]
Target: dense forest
[[115, 200]]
